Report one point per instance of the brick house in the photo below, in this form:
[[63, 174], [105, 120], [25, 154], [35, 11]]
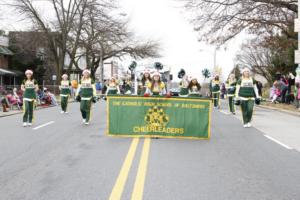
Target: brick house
[[8, 78]]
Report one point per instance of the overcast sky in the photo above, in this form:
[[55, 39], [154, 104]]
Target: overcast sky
[[164, 21]]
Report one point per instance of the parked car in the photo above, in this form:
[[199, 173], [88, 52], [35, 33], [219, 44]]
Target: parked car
[[175, 92]]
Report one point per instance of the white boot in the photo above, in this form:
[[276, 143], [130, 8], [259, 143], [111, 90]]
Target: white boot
[[87, 123], [245, 125], [24, 124], [84, 121], [29, 124], [62, 112], [249, 125]]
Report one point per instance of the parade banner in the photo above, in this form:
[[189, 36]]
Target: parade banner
[[158, 117]]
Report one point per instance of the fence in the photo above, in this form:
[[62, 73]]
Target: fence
[[9, 88]]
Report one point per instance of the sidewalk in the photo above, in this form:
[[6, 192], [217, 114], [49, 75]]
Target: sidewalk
[[14, 112], [11, 112], [285, 108]]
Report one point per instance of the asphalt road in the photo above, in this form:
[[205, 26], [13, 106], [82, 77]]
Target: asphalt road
[[60, 158]]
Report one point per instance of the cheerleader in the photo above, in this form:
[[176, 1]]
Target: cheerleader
[[146, 80], [184, 86], [29, 87], [128, 86], [156, 87], [65, 92], [246, 94], [230, 87], [113, 87], [215, 90], [194, 88], [86, 94]]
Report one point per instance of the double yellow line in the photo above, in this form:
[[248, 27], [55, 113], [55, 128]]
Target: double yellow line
[[138, 189]]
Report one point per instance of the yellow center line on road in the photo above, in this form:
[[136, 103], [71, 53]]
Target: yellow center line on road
[[138, 189], [122, 178]]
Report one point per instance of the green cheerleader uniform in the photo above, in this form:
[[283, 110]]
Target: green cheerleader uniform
[[194, 91], [184, 91], [231, 87], [246, 91], [128, 87], [143, 87], [65, 92], [87, 91], [112, 89], [158, 89], [29, 98], [215, 91]]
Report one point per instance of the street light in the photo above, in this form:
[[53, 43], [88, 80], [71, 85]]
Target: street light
[[214, 54]]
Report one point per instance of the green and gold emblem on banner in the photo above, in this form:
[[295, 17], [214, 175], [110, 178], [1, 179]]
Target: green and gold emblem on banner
[[156, 117], [156, 122]]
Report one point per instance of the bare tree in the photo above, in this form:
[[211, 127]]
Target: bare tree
[[268, 56], [60, 32], [218, 21], [85, 28], [258, 58], [105, 36]]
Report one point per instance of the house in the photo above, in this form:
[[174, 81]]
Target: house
[[31, 52], [8, 78]]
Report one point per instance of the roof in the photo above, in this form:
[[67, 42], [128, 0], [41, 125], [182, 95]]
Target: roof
[[10, 72], [5, 51]]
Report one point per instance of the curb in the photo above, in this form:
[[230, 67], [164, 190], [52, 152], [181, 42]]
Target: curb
[[295, 113], [37, 108]]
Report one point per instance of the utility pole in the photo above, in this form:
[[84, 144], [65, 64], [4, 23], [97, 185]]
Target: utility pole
[[215, 56]]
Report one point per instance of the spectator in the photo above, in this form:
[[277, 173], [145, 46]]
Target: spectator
[[98, 86], [17, 97], [40, 96], [74, 84], [223, 90], [291, 87], [259, 88], [297, 88], [4, 102], [104, 87], [12, 100], [283, 88], [52, 98], [275, 92]]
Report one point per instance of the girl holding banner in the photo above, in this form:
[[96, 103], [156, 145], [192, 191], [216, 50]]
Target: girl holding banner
[[184, 86], [65, 92], [113, 87], [86, 94], [156, 87], [194, 88], [146, 80], [30, 87], [246, 94], [128, 86]]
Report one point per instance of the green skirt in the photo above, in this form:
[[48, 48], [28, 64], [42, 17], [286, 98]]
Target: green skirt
[[112, 92], [194, 95], [184, 92], [142, 91]]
